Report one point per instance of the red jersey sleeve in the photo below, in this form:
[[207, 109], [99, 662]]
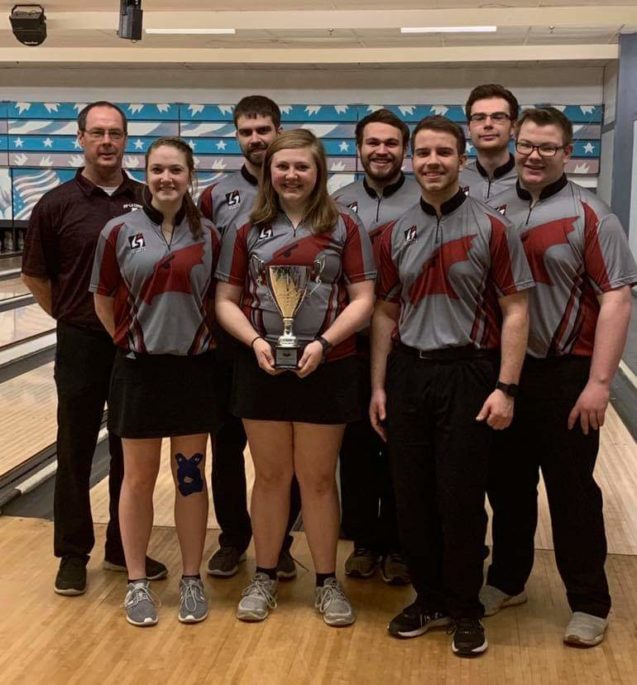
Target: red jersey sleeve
[[233, 261], [358, 259], [510, 270], [388, 282], [106, 275]]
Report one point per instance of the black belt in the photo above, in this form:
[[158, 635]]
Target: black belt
[[449, 353]]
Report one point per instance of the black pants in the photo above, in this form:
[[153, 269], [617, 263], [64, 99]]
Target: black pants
[[439, 457], [83, 362], [229, 492], [539, 439], [367, 494]]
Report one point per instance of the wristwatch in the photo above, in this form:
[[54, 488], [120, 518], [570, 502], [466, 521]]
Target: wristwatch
[[327, 346], [510, 389]]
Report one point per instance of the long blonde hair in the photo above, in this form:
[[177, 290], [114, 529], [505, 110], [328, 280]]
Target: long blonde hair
[[322, 212]]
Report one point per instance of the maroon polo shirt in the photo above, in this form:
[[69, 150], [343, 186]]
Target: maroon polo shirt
[[61, 239]]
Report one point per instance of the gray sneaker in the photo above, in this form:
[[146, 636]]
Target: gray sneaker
[[193, 606], [585, 630], [140, 606], [257, 599], [332, 602], [493, 599]]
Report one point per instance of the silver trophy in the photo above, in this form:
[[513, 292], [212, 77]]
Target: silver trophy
[[287, 285]]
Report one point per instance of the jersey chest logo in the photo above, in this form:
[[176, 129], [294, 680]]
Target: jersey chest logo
[[136, 242], [233, 198], [354, 207], [410, 234], [265, 232]]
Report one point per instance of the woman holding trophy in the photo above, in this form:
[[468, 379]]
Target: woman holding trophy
[[295, 284]]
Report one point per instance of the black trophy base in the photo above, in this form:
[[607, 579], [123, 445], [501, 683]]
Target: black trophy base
[[286, 357]]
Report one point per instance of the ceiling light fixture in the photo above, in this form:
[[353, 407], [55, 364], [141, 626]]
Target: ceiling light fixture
[[448, 29], [193, 32]]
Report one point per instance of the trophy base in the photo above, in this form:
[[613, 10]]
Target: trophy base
[[286, 357]]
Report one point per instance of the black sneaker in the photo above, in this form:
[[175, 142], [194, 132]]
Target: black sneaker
[[225, 562], [155, 570], [71, 576], [286, 568], [468, 637], [415, 620]]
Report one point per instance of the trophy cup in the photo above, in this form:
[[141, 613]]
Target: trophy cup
[[287, 285]]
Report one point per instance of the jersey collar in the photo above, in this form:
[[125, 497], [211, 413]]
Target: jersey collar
[[447, 207], [547, 191], [388, 191], [252, 180], [500, 171], [156, 216]]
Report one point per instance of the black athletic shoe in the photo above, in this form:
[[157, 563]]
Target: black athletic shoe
[[224, 563], [71, 576], [155, 570], [468, 637], [415, 620], [286, 568]]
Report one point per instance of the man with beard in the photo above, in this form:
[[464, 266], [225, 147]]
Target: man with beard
[[579, 315], [448, 339], [56, 267], [491, 114], [369, 509], [228, 203]]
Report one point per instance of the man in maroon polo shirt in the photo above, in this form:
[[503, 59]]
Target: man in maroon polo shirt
[[56, 267]]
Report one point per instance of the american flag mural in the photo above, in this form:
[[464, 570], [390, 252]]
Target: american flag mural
[[39, 149]]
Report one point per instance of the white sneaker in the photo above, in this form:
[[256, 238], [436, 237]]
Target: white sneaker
[[332, 602], [493, 599], [258, 598], [585, 630]]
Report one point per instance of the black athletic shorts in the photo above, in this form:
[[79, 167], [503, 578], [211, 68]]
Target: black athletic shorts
[[329, 395]]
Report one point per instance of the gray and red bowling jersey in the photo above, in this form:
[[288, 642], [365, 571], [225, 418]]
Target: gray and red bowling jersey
[[474, 180], [337, 258], [230, 200], [577, 250], [376, 211], [163, 292], [447, 274]]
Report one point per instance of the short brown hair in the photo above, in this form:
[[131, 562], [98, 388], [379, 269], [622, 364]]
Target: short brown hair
[[440, 123], [492, 90], [382, 116], [253, 106], [83, 115], [322, 212], [192, 213], [546, 116]]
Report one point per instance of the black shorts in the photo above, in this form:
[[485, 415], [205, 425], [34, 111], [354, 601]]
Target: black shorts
[[162, 395], [329, 395]]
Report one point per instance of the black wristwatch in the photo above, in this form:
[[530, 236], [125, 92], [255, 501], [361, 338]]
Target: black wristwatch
[[327, 346], [510, 389]]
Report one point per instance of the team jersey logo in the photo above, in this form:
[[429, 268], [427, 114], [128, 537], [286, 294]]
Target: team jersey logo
[[265, 232], [410, 234], [136, 242], [133, 206], [502, 209], [465, 190], [354, 207], [233, 199]]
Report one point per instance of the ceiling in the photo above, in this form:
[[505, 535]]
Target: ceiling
[[340, 32]]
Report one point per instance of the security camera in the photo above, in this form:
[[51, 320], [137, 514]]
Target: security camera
[[130, 19], [28, 24]]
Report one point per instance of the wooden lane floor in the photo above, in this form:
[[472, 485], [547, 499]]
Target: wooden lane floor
[[22, 323], [27, 416], [12, 288], [50, 639]]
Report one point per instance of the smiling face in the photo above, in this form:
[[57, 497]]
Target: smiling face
[[103, 141], [294, 174], [167, 175], [254, 135], [490, 124], [437, 163], [536, 171], [382, 152]]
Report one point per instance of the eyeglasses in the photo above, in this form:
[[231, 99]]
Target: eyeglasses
[[544, 150], [100, 133], [481, 117]]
